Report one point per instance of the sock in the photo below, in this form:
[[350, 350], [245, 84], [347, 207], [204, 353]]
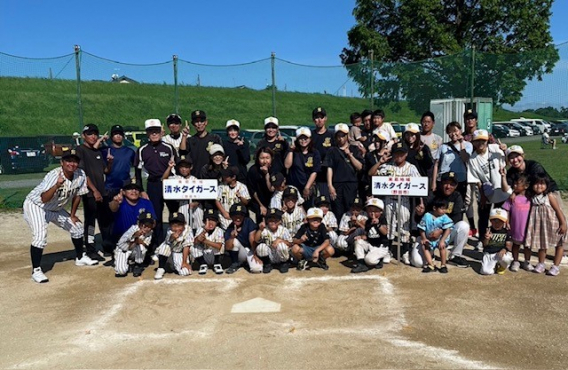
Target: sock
[[234, 256], [201, 260], [266, 260], [35, 254], [405, 247], [216, 259], [78, 244], [162, 260], [471, 222]]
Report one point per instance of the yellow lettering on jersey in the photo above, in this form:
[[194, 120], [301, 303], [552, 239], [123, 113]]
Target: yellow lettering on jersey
[[450, 207], [326, 142], [310, 162]]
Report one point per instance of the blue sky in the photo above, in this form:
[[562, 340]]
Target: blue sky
[[310, 32]]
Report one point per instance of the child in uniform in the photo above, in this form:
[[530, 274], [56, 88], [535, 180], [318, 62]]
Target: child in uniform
[[208, 243], [273, 242], [278, 182], [497, 244], [293, 216], [329, 219], [177, 244], [371, 248], [352, 224], [311, 242], [239, 238], [133, 245], [230, 192]]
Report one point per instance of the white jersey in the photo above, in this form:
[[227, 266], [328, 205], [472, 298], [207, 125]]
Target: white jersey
[[345, 224], [227, 196], [294, 220], [176, 246], [276, 200], [267, 236], [174, 142], [216, 236], [69, 189], [407, 169], [127, 238], [329, 220]]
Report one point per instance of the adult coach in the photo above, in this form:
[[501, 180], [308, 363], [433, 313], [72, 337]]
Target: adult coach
[[198, 145], [46, 203]]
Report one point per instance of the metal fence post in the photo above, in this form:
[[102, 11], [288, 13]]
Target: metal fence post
[[78, 69], [176, 93], [472, 76], [372, 82], [273, 58]]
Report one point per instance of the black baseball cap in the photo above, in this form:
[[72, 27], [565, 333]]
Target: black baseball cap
[[173, 118], [145, 216], [198, 114], [185, 161], [116, 129], [274, 213], [357, 203], [319, 111], [131, 184], [322, 199], [290, 192], [229, 171], [470, 113], [277, 179], [399, 148], [238, 209], [90, 128], [177, 217], [211, 214], [70, 153], [449, 176]]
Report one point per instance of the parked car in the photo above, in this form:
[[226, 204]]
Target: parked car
[[137, 138], [398, 128], [290, 130], [559, 129], [536, 124], [254, 136], [20, 160], [510, 132], [500, 131]]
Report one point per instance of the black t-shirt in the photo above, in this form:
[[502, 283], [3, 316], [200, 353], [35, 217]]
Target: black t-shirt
[[374, 235], [198, 150], [256, 182], [421, 158], [498, 240], [93, 164], [280, 148], [531, 168], [323, 143], [343, 169], [239, 155], [315, 237]]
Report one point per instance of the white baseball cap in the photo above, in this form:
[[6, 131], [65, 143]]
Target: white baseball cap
[[412, 127], [480, 135], [233, 122], [271, 119], [303, 131], [382, 134], [515, 149], [498, 213], [216, 148], [375, 202], [315, 213], [152, 123], [341, 127]]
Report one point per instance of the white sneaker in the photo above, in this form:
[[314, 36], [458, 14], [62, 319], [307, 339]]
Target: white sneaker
[[38, 276], [85, 261], [564, 260], [405, 258], [159, 274], [387, 258], [515, 266], [203, 269], [218, 269]]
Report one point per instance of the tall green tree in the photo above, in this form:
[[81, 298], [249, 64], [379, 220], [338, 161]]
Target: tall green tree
[[427, 49]]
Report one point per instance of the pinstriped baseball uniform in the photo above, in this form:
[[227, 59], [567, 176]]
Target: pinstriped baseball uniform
[[279, 254], [200, 250], [123, 253], [294, 220], [345, 224], [374, 248], [344, 241], [173, 142], [38, 214], [329, 220], [184, 207], [175, 248], [227, 196]]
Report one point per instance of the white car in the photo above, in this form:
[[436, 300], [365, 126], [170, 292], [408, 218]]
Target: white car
[[290, 130]]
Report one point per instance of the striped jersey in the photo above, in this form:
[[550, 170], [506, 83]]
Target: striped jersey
[[329, 220], [69, 189], [173, 142], [294, 220], [345, 224], [184, 240], [216, 236], [128, 238], [227, 196], [268, 237]]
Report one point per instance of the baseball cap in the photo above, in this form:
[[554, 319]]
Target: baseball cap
[[314, 213], [515, 149], [216, 148], [375, 202], [152, 123], [269, 120], [357, 203], [412, 127], [319, 111], [341, 127], [274, 213], [229, 171], [449, 176], [322, 199], [185, 161], [499, 213], [177, 217], [131, 184], [70, 153], [233, 122], [480, 135], [470, 113], [116, 129], [238, 209], [381, 134], [399, 148], [90, 128], [145, 216], [173, 118], [303, 131], [198, 115], [290, 192], [211, 214], [277, 179]]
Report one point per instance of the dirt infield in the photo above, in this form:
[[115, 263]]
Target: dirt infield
[[394, 318]]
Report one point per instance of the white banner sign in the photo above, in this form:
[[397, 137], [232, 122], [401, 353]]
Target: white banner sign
[[400, 185], [190, 189]]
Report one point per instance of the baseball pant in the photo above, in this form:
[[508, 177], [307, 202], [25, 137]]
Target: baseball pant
[[279, 254], [122, 258], [371, 254], [207, 253], [490, 260], [344, 242], [458, 238], [245, 254], [37, 219], [178, 261], [393, 219]]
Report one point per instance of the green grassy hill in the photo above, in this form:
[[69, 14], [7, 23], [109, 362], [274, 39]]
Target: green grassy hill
[[31, 107]]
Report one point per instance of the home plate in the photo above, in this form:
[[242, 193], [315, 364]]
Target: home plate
[[259, 305]]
